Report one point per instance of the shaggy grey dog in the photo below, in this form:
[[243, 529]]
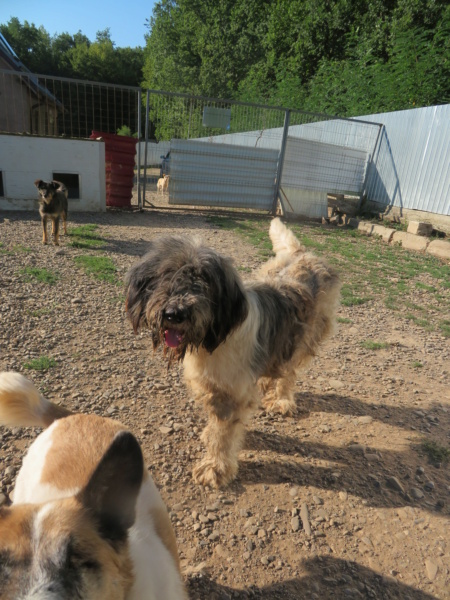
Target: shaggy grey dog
[[237, 341]]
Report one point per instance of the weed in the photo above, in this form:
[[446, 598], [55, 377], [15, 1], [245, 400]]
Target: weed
[[417, 364], [369, 345], [445, 327], [344, 320], [435, 452], [43, 275], [40, 364], [100, 267]]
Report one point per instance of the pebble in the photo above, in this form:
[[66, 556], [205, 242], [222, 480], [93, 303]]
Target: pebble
[[416, 493], [431, 569], [395, 484]]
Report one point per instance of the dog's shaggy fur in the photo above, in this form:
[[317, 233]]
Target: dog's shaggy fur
[[236, 340]]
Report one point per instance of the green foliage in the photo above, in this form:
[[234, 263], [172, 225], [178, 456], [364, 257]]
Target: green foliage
[[344, 57], [43, 363], [74, 56]]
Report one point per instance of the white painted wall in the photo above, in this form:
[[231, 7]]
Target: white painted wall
[[23, 159]]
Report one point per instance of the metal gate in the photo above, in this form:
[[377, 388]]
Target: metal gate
[[233, 154], [208, 174]]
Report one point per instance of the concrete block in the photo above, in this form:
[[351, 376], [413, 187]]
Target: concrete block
[[409, 241], [385, 233], [365, 227], [353, 222], [439, 248], [420, 228]]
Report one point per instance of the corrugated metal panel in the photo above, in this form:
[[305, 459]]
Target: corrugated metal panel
[[411, 167], [307, 203], [207, 174], [310, 165]]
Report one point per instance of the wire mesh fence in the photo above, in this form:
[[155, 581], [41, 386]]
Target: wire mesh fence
[[56, 106], [228, 144]]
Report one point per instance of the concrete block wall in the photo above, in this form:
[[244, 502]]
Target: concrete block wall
[[23, 159]]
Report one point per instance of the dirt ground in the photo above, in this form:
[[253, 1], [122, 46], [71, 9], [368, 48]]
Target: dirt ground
[[337, 502]]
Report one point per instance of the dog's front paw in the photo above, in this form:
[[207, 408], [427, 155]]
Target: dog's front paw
[[288, 408], [210, 473]]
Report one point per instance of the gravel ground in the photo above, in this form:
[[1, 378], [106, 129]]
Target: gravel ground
[[338, 502]]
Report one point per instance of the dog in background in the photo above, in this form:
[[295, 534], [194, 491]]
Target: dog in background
[[238, 341], [53, 205], [87, 521], [163, 184]]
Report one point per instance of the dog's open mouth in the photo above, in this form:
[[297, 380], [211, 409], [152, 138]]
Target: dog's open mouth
[[173, 338]]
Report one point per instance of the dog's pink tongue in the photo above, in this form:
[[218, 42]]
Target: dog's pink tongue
[[172, 338]]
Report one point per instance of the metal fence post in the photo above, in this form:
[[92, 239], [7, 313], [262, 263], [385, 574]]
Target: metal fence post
[[146, 142], [287, 118], [139, 100], [366, 175]]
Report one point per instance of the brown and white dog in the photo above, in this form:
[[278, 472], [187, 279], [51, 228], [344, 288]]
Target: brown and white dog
[[163, 184], [87, 521], [236, 340]]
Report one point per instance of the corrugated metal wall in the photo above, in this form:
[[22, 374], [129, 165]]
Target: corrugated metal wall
[[208, 174], [323, 167], [411, 166]]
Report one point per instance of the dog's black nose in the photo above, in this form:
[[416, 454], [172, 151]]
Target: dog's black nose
[[173, 315]]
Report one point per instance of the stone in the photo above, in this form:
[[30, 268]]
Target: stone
[[420, 228], [439, 248], [431, 568], [410, 241], [385, 233], [295, 523], [416, 493], [395, 484]]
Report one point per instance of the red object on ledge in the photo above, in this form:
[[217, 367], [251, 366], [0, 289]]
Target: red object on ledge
[[120, 151]]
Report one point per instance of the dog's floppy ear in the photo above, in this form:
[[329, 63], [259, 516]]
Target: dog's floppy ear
[[112, 490], [228, 298], [140, 280], [38, 183]]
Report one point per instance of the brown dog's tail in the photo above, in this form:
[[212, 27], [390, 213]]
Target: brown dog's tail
[[21, 404]]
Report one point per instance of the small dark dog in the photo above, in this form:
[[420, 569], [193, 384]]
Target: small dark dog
[[52, 205]]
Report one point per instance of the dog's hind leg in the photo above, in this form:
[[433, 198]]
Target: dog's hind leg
[[55, 231], [44, 230], [279, 394]]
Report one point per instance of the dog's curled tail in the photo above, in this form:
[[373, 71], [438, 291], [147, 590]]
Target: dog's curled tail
[[21, 404], [283, 240]]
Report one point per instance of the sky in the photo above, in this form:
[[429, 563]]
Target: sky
[[125, 19]]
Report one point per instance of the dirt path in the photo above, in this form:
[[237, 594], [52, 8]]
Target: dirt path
[[348, 467]]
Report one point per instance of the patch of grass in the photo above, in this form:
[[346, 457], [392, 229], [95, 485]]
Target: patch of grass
[[417, 364], [85, 236], [350, 296], [23, 249], [40, 312], [344, 320], [40, 364], [43, 275], [370, 269], [100, 267], [370, 345], [435, 452], [444, 326]]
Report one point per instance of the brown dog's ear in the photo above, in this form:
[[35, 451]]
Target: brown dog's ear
[[113, 488], [38, 183]]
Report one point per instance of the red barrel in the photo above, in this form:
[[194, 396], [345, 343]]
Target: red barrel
[[120, 151]]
